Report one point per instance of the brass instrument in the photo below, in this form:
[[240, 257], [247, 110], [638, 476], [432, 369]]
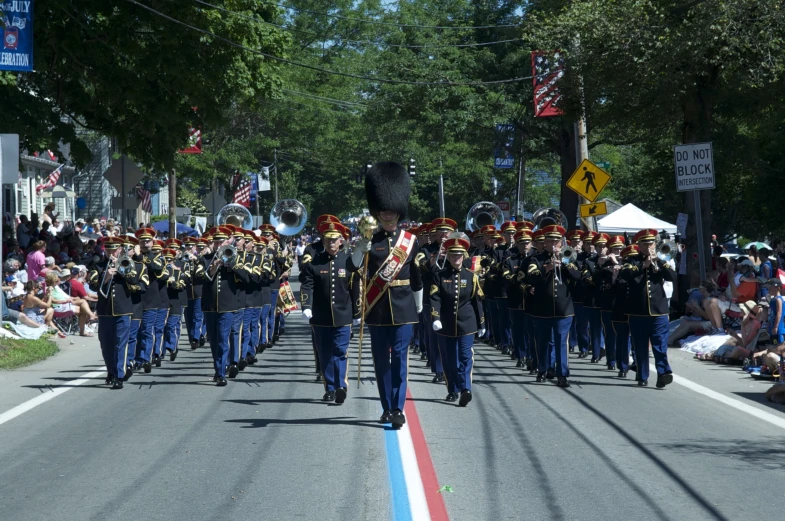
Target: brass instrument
[[226, 253], [124, 265], [483, 214], [568, 255], [289, 217], [235, 214], [442, 256], [549, 216], [666, 250], [106, 282]]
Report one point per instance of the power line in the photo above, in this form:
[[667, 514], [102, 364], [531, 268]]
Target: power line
[[359, 42], [327, 71], [388, 24], [316, 97]]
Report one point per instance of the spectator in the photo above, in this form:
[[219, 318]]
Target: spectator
[[745, 286], [722, 273], [49, 264], [23, 232], [64, 304], [78, 275], [765, 269], [36, 260], [49, 214], [776, 308], [37, 310], [752, 255]]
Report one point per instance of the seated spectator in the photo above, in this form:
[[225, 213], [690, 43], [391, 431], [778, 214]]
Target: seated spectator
[[64, 304], [776, 324], [78, 289], [13, 287], [745, 344], [36, 310], [36, 260], [744, 284], [722, 273], [49, 264]]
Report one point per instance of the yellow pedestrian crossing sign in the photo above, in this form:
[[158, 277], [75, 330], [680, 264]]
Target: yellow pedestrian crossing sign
[[588, 180], [593, 209]]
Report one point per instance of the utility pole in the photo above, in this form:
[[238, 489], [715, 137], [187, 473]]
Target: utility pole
[[518, 195], [275, 165], [123, 216], [582, 152], [172, 204]]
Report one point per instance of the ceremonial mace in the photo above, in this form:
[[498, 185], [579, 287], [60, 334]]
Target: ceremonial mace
[[366, 227]]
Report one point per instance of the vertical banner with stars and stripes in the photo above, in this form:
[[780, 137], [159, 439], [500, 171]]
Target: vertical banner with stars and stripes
[[147, 201], [242, 190]]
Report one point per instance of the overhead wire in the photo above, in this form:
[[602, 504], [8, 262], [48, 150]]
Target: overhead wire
[[388, 24], [358, 42], [328, 71], [316, 97]]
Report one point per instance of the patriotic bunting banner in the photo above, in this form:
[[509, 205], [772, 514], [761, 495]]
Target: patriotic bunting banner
[[547, 69]]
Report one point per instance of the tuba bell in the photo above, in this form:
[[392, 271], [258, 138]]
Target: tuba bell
[[235, 214], [568, 255], [289, 217], [483, 214], [549, 216], [666, 250]]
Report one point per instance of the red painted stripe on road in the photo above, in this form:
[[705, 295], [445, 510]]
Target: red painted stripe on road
[[436, 506]]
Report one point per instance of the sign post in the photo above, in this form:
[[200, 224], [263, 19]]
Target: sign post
[[694, 165]]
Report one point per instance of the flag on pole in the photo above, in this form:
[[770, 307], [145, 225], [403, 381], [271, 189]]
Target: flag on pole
[[51, 180], [147, 201], [242, 191]]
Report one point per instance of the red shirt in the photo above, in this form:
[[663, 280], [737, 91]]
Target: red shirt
[[722, 280], [77, 289]]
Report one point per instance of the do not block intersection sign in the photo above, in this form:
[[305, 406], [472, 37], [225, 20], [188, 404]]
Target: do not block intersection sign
[[694, 167]]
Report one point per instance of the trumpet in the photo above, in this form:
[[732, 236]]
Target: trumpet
[[227, 253], [568, 255]]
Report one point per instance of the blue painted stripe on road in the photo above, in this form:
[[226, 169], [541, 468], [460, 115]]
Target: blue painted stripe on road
[[400, 496]]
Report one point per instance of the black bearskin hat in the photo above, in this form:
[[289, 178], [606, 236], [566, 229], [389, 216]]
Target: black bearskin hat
[[387, 188]]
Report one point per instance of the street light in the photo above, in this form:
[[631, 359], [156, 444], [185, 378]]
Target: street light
[[412, 167]]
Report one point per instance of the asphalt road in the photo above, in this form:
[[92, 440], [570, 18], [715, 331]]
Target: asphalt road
[[171, 445]]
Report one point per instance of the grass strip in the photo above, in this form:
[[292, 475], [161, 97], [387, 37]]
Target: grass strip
[[19, 353]]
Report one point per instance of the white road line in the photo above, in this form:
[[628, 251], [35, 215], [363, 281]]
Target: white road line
[[411, 471], [43, 398], [727, 400]]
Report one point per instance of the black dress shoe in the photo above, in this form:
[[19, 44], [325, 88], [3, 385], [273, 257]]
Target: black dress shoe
[[540, 377], [251, 359], [551, 374], [602, 354], [108, 380], [233, 370], [505, 351], [157, 361], [202, 341], [572, 349], [529, 365], [319, 377], [466, 397], [221, 381], [129, 372], [633, 368], [386, 417], [147, 367], [276, 337], [438, 379], [117, 384], [329, 396], [194, 344], [612, 367], [340, 395], [452, 397], [643, 383], [593, 360], [243, 364], [423, 355], [172, 356], [622, 374], [562, 382], [519, 363], [398, 419], [663, 380]]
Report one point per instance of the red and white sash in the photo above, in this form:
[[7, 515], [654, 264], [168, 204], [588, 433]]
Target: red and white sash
[[389, 270]]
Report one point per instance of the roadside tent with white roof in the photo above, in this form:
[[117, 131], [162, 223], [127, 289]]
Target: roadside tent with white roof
[[630, 218]]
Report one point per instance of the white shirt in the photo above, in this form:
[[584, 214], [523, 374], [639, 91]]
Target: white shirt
[[299, 250]]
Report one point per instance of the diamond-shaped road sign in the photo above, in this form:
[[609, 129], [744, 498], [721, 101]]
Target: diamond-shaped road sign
[[588, 180], [124, 167]]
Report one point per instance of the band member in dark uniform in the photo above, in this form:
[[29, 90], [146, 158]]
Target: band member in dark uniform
[[394, 289], [609, 268], [162, 283], [552, 304], [647, 307], [131, 249], [151, 298], [514, 273], [114, 283], [456, 308], [593, 294], [326, 301], [177, 298], [194, 319]]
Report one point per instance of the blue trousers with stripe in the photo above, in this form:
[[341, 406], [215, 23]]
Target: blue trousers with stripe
[[458, 361], [518, 326], [133, 339], [160, 325], [194, 319], [113, 337], [146, 335], [597, 341], [172, 333], [332, 343], [558, 330], [236, 337], [264, 325], [622, 332], [390, 350], [610, 337], [251, 318], [219, 328], [655, 330]]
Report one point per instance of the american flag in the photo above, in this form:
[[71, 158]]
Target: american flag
[[242, 192], [49, 153], [51, 180], [144, 194]]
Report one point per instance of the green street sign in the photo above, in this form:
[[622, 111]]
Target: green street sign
[[605, 165]]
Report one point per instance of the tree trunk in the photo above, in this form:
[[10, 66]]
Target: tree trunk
[[568, 200], [698, 109]]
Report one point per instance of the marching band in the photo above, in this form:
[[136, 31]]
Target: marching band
[[532, 289]]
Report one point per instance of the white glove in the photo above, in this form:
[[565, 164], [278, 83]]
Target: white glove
[[437, 325], [356, 322], [418, 300], [362, 247], [307, 313], [481, 332]]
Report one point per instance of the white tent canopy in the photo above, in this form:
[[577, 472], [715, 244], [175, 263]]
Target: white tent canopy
[[630, 218]]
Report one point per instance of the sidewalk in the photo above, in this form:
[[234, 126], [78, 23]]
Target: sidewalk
[[77, 356]]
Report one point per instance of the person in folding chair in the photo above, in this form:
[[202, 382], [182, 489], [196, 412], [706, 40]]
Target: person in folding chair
[[114, 284]]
